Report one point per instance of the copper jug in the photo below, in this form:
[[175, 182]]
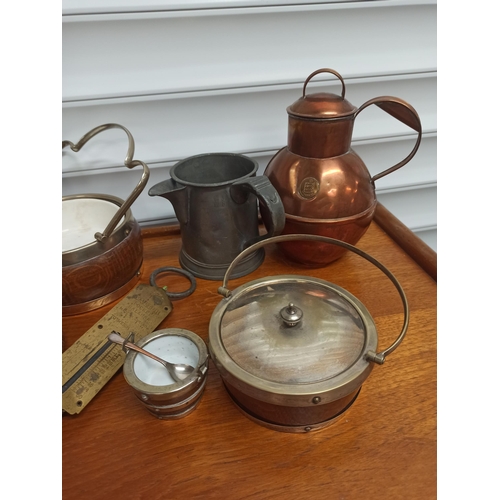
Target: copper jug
[[325, 187]]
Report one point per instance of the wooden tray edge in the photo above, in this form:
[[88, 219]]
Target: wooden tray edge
[[417, 249]]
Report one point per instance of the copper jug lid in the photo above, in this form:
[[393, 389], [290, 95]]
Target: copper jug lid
[[322, 105]]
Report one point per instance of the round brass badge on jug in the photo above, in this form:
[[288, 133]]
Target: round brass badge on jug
[[309, 188]]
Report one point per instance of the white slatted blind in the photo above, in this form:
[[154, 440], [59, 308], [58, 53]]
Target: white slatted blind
[[202, 76]]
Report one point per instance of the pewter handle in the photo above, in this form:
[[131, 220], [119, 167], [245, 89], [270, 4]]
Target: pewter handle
[[128, 162], [379, 357], [324, 70], [403, 112], [270, 204]]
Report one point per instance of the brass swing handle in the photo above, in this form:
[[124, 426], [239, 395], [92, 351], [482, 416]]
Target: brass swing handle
[[379, 357], [128, 162]]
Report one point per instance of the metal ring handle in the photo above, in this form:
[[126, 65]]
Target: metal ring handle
[[128, 162], [403, 112], [176, 270], [378, 358], [324, 70]]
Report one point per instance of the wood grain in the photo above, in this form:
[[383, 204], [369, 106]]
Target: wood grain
[[383, 447], [105, 273]]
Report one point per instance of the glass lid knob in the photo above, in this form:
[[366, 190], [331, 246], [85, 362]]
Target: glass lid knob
[[291, 315]]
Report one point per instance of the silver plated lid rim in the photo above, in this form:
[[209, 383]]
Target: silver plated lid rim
[[330, 389]]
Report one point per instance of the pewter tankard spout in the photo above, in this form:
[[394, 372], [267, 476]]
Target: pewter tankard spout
[[176, 194], [216, 199]]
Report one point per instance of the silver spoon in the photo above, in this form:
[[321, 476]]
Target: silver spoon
[[178, 371]]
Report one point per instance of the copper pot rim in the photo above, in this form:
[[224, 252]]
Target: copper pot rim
[[340, 220]]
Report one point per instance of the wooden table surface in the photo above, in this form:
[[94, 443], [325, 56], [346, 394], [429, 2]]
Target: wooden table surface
[[383, 447]]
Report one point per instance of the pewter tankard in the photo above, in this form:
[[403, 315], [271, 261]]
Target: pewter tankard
[[216, 198]]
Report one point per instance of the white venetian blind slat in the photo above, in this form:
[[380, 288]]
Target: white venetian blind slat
[[113, 58]]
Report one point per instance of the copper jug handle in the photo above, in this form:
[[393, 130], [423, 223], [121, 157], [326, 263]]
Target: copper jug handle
[[128, 162], [403, 112], [324, 70], [374, 357]]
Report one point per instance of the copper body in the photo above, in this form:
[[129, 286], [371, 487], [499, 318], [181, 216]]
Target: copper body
[[325, 187], [342, 202]]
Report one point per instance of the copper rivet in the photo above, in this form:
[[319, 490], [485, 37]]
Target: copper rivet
[[316, 400]]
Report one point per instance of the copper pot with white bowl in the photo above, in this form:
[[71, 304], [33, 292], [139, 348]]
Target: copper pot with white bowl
[[102, 248]]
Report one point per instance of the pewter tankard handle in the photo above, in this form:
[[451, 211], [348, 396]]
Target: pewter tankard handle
[[128, 162], [270, 204], [379, 357], [403, 112]]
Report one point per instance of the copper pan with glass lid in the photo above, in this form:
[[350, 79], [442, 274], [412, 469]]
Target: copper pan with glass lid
[[293, 351]]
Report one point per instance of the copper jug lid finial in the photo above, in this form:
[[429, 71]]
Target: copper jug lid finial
[[322, 105]]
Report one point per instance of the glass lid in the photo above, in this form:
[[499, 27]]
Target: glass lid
[[293, 331]]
